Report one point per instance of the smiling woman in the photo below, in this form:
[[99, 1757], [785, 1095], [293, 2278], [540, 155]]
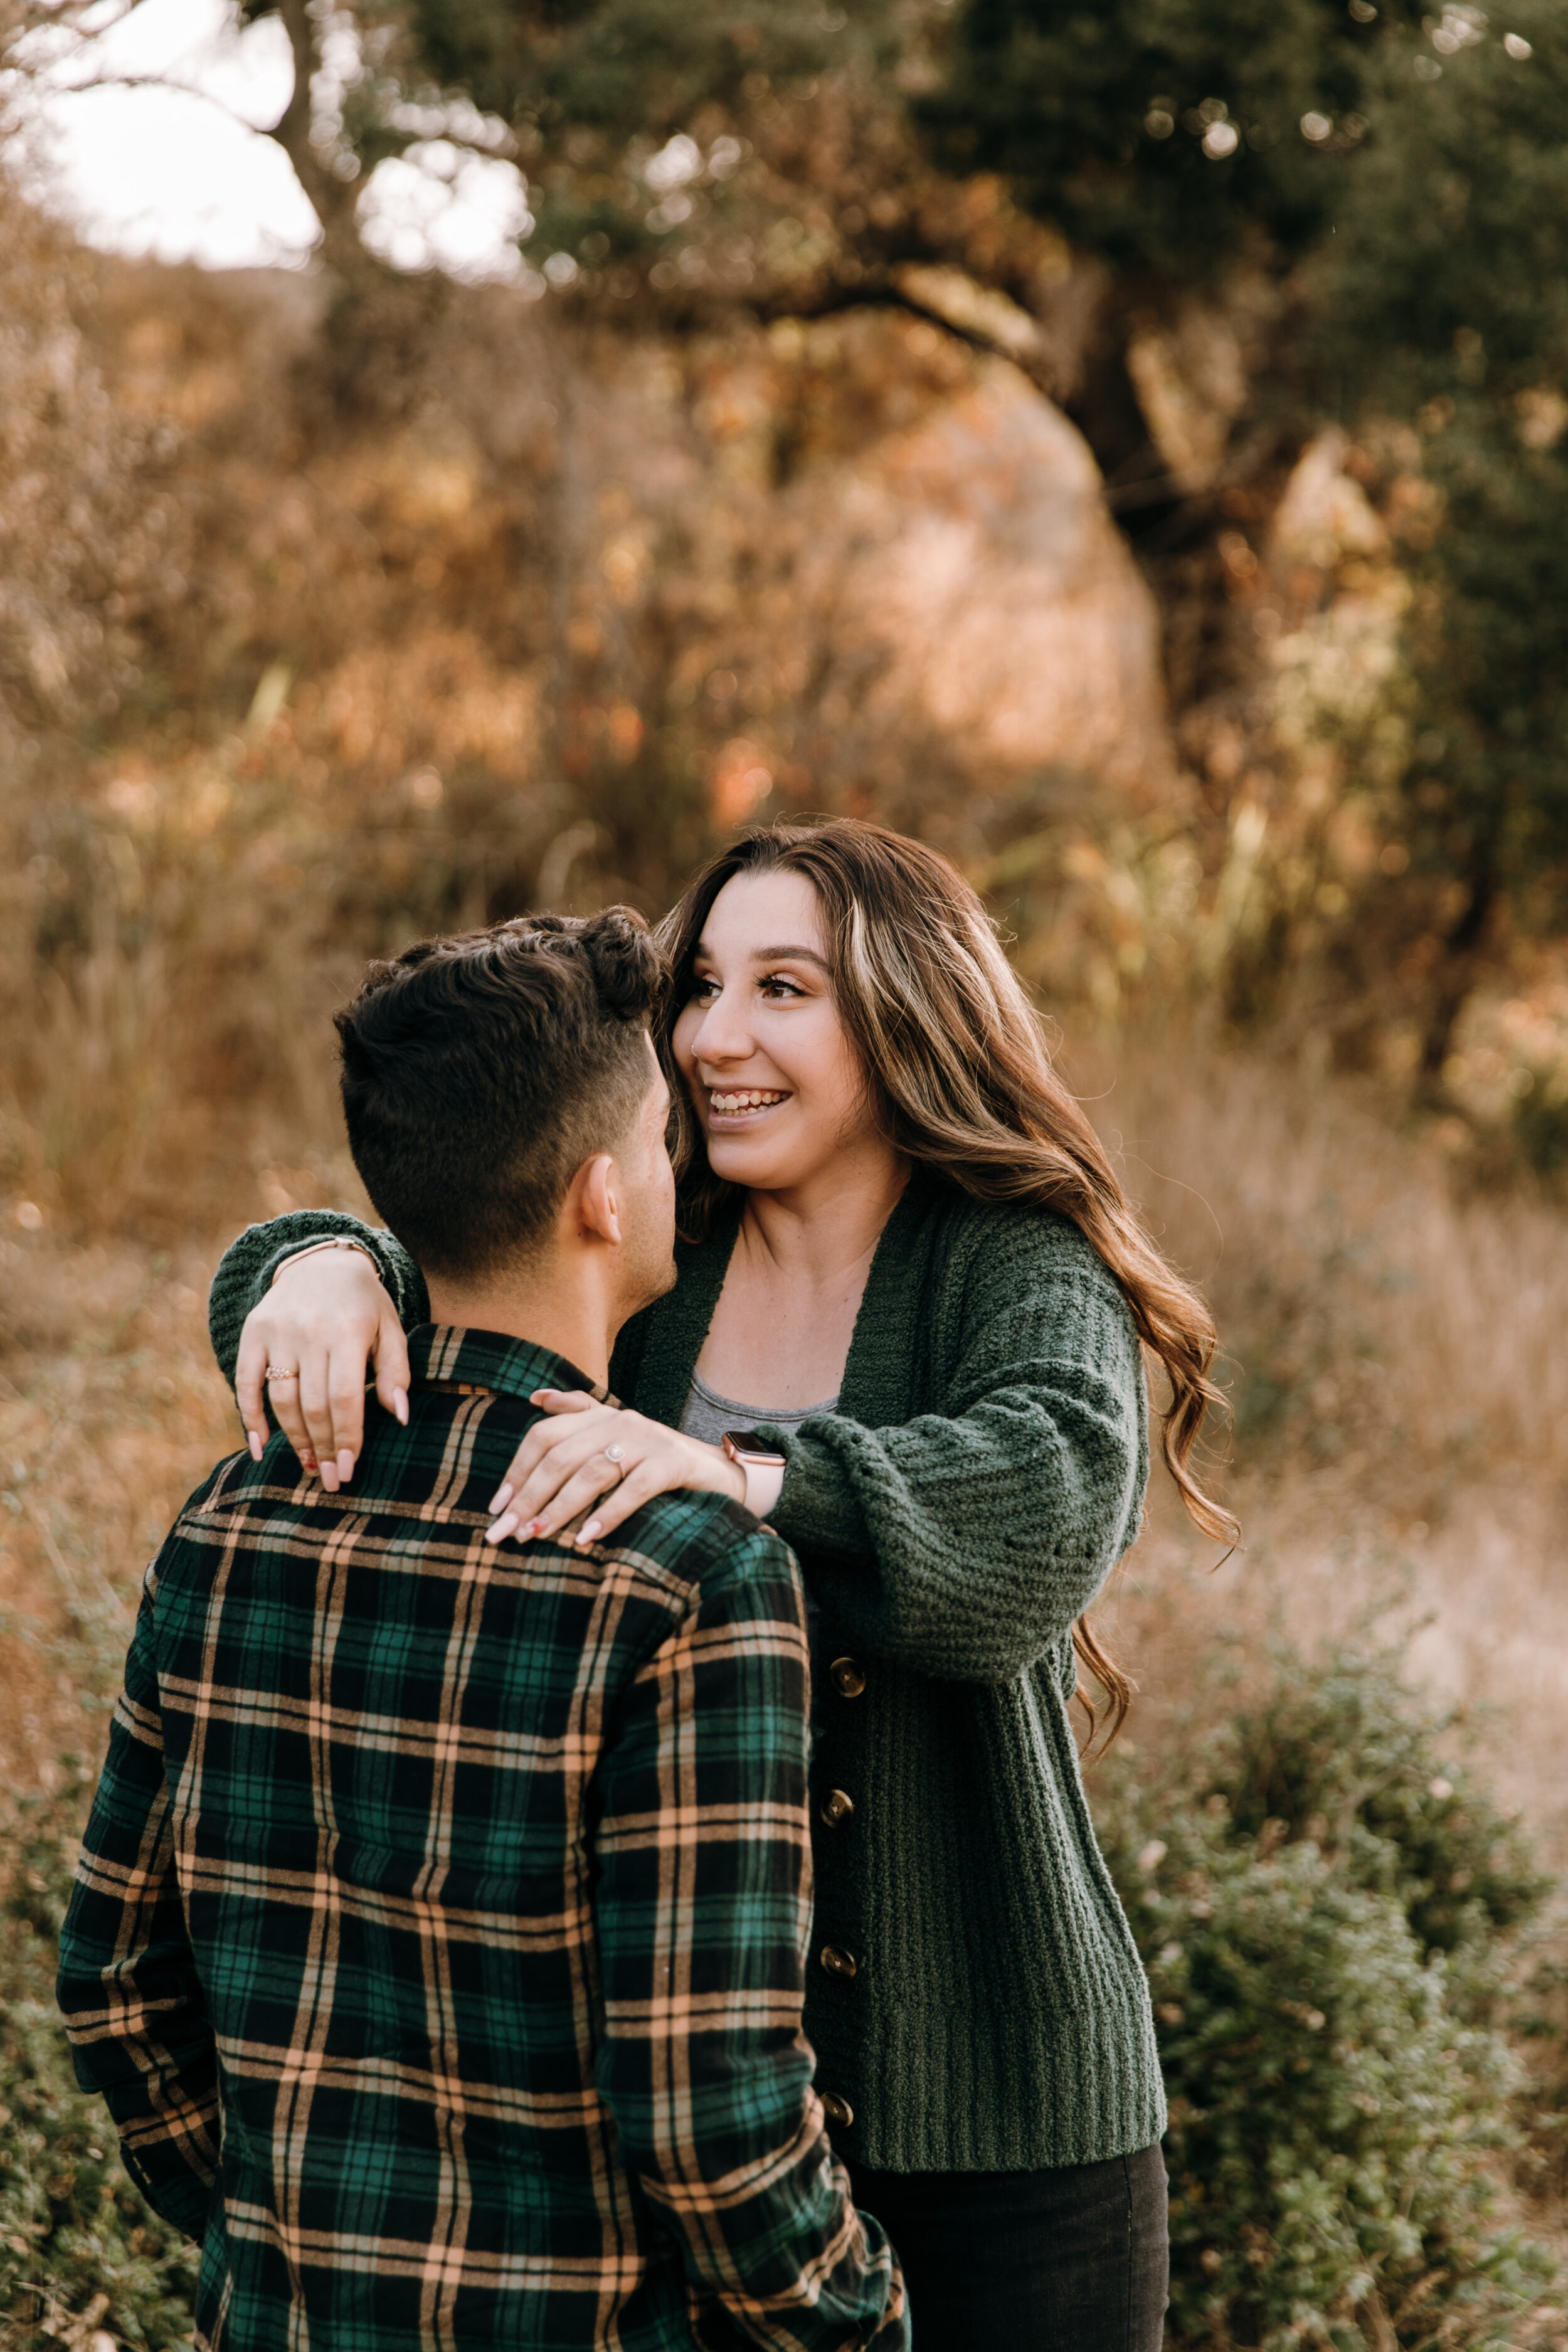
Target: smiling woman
[[912, 1297], [784, 1112]]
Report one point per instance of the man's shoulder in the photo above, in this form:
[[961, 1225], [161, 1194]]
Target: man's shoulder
[[440, 1466], [705, 1544], [198, 1526], [227, 1481], [694, 1547]]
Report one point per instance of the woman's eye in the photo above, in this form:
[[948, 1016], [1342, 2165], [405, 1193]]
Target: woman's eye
[[703, 991], [776, 985]]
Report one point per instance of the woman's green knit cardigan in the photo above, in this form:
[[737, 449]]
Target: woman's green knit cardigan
[[984, 1472]]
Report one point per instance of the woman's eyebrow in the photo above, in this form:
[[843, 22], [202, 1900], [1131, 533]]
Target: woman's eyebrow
[[790, 955], [703, 954]]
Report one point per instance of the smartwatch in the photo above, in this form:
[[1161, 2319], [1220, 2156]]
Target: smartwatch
[[741, 1445]]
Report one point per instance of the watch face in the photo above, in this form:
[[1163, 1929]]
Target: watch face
[[742, 1444]]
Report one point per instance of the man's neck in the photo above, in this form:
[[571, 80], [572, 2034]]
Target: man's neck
[[544, 1314]]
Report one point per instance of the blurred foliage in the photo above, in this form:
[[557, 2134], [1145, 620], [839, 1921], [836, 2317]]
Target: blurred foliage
[[81, 523], [1327, 1904], [690, 152], [1541, 2027], [1405, 179], [1445, 298], [82, 2255], [1400, 180], [1164, 135], [1191, 225]]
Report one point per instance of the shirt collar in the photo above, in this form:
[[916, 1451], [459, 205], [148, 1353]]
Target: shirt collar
[[441, 1354]]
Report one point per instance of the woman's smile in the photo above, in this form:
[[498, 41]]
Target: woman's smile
[[733, 1107]]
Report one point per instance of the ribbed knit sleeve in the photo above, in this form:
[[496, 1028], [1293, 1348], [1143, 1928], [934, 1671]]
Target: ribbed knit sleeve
[[963, 1543], [247, 1267]]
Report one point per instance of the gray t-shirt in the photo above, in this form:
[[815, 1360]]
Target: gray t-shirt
[[708, 1415]]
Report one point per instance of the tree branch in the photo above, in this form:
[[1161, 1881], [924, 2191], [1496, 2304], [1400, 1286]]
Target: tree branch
[[879, 293], [164, 81], [331, 199]]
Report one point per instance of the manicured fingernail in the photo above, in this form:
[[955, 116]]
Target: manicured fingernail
[[501, 1497], [593, 1527], [329, 1476], [502, 1527], [345, 1464], [540, 1395], [253, 1439], [400, 1405]]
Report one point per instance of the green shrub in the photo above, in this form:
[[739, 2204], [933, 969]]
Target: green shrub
[[1324, 1904], [81, 2251], [1342, 1752], [1540, 2028]]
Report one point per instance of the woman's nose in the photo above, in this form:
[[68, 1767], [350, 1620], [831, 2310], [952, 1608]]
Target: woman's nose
[[721, 1035]]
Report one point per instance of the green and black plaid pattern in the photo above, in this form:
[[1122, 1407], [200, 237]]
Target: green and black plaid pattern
[[440, 1930]]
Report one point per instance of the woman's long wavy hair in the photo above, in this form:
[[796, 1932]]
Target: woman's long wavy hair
[[956, 1062]]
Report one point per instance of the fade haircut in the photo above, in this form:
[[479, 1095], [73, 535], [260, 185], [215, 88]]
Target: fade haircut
[[479, 1072]]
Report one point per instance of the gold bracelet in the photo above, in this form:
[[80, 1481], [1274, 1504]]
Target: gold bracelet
[[336, 1242]]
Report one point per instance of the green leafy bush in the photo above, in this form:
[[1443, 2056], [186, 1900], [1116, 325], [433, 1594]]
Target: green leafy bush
[[81, 2251], [1325, 1901], [1540, 2027], [1341, 1752]]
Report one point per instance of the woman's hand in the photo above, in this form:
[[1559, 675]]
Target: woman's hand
[[325, 1318], [562, 1467]]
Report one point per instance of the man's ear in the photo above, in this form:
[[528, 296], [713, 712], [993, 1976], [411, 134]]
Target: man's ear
[[591, 1206]]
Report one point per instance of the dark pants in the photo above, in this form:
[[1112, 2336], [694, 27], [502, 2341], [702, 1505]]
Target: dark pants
[[1076, 2259]]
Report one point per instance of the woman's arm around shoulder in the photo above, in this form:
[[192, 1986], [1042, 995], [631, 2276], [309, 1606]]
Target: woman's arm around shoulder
[[302, 1321], [249, 1264], [964, 1542]]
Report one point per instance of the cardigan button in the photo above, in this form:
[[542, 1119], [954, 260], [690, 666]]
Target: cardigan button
[[838, 2111], [838, 1961], [848, 1677], [837, 1807]]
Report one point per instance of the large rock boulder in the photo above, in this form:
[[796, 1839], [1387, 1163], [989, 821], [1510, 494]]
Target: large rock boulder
[[975, 549], [874, 555]]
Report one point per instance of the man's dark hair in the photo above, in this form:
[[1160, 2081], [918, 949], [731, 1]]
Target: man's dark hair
[[479, 1072]]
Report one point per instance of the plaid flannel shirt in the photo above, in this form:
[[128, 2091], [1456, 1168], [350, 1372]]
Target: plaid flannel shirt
[[440, 1934]]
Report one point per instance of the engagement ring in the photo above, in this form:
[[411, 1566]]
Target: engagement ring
[[617, 1454], [282, 1372]]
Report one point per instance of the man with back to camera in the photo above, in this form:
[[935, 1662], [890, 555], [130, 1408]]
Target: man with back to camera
[[439, 1934]]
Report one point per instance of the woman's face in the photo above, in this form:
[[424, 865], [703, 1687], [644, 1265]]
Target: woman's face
[[766, 1060]]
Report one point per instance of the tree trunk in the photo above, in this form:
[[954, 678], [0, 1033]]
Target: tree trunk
[[331, 200], [1456, 976]]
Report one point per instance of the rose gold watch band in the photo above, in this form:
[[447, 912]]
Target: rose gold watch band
[[738, 1446]]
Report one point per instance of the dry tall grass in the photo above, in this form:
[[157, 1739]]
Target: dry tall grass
[[1401, 1388]]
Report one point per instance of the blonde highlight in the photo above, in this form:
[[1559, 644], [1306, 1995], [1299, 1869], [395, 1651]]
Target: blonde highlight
[[959, 1068]]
